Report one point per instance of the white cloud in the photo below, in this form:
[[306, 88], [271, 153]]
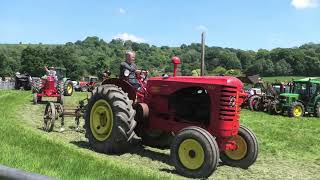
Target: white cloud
[[126, 37], [304, 4], [122, 11], [202, 28]]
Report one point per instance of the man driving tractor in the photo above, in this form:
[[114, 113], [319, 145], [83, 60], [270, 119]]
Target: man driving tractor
[[52, 72], [129, 71]]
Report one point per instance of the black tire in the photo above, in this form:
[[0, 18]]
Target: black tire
[[294, 105], [254, 102], [49, 117], [68, 84], [35, 98], [161, 140], [123, 123], [251, 154], [210, 151], [61, 99], [317, 110]]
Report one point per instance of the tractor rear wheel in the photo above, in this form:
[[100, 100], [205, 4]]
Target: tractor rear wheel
[[68, 88], [317, 110], [247, 150], [296, 110], [50, 115], [61, 99], [109, 120], [194, 152], [35, 98]]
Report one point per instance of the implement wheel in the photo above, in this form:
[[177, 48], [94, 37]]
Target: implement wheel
[[254, 102], [247, 150], [109, 120], [194, 152], [50, 115]]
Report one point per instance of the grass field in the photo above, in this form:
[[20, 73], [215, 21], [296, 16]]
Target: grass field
[[282, 78], [289, 148]]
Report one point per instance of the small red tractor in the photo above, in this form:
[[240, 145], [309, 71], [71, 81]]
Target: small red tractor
[[52, 86], [48, 87], [87, 84], [196, 117]]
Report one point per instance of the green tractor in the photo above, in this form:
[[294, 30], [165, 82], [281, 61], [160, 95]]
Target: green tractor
[[67, 83], [304, 98]]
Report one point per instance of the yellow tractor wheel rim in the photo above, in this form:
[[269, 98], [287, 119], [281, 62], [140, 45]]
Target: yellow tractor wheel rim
[[297, 111], [191, 154], [241, 150], [101, 120], [69, 88]]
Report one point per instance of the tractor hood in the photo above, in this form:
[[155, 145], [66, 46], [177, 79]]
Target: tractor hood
[[214, 80], [290, 95]]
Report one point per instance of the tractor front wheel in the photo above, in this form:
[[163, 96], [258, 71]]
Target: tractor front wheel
[[109, 120], [296, 110], [194, 152], [68, 88], [247, 150]]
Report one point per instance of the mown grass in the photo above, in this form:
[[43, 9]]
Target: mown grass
[[34, 151], [289, 148]]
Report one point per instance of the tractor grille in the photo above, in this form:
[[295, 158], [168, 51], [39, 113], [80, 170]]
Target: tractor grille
[[229, 110]]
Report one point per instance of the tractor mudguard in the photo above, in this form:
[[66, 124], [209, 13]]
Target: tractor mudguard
[[125, 86]]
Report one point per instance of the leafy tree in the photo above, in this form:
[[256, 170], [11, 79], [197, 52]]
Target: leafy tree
[[218, 70], [283, 68]]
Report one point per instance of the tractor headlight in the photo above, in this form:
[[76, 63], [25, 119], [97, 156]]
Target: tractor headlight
[[126, 73]]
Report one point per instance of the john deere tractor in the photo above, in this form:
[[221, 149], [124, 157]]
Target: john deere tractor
[[67, 83], [304, 98]]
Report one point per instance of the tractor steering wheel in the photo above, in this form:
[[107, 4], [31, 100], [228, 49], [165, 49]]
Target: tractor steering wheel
[[143, 74]]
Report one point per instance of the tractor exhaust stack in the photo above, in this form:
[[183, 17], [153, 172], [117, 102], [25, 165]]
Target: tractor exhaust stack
[[175, 61]]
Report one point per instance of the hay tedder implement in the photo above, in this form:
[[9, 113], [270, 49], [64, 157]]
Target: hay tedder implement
[[55, 111]]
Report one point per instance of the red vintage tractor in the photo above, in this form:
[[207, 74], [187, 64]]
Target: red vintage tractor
[[196, 117], [47, 87], [87, 84]]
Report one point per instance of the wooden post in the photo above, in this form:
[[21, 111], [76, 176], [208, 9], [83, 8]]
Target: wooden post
[[202, 53]]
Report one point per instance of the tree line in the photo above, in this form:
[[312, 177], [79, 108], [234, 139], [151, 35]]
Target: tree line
[[94, 55]]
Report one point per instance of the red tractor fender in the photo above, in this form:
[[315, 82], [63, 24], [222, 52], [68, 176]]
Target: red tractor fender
[[125, 86]]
